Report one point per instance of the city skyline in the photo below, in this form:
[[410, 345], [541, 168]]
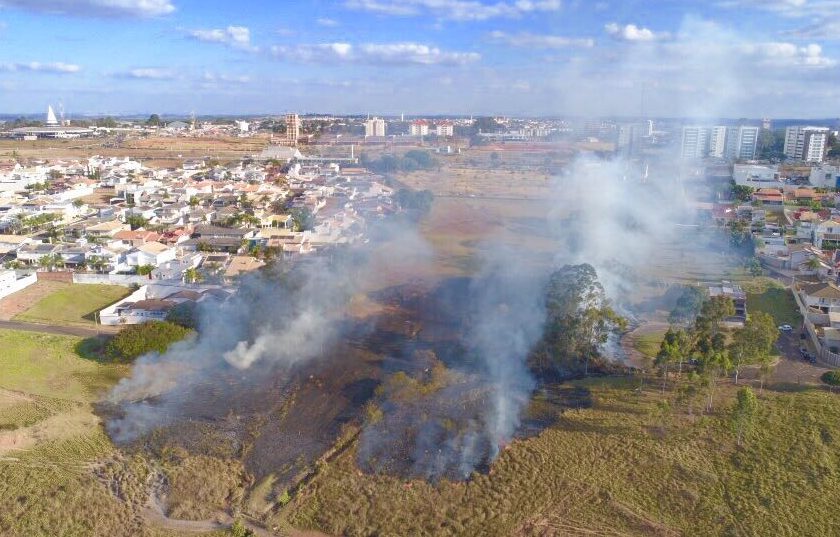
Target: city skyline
[[734, 58]]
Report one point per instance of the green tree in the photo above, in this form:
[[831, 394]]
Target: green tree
[[302, 219], [136, 221], [192, 275], [154, 121], [754, 342], [688, 305], [832, 378], [744, 412], [145, 270], [579, 319], [742, 193], [139, 339]]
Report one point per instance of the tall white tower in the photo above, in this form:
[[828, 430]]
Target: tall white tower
[[51, 119]]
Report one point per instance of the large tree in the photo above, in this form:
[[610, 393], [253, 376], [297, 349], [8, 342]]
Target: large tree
[[579, 319], [753, 343]]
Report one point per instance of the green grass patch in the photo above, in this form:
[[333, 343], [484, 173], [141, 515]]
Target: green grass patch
[[74, 304], [649, 343], [48, 365], [778, 302]]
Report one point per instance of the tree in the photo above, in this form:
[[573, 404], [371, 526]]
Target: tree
[[579, 318], [688, 305], [753, 343], [744, 412], [184, 314], [136, 221], [832, 378], [742, 193], [154, 121], [145, 270], [302, 219], [139, 339], [192, 275], [813, 263]]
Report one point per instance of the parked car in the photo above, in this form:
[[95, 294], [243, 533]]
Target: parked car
[[785, 328]]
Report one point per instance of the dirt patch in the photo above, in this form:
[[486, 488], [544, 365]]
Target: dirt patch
[[54, 428], [21, 301]]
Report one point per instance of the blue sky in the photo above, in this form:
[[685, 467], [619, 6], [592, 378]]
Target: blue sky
[[735, 58]]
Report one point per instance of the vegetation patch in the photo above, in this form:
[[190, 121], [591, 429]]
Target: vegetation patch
[[139, 339], [73, 304], [778, 302]]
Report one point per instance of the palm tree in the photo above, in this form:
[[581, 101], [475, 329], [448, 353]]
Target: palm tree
[[192, 275], [813, 263]]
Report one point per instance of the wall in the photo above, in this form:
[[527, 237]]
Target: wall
[[55, 276], [19, 284], [112, 279]]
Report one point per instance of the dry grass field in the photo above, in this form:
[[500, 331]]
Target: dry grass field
[[627, 465]]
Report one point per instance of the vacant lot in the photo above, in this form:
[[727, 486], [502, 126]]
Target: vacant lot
[[770, 297], [73, 304], [51, 443], [628, 465]]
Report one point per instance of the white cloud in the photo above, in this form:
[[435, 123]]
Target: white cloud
[[230, 79], [327, 23], [823, 15], [234, 36], [148, 73], [38, 67], [458, 10], [631, 32], [529, 40], [373, 53], [787, 8], [780, 54], [97, 8]]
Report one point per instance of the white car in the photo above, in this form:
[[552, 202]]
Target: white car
[[786, 328]]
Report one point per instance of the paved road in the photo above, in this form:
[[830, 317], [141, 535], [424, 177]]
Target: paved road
[[79, 331], [792, 368]]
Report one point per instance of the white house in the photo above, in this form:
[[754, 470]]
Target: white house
[[824, 297], [827, 232], [151, 253]]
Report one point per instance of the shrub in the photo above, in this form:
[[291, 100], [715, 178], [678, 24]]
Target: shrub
[[832, 378], [137, 340]]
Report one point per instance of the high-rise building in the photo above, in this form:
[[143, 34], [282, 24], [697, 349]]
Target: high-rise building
[[445, 129], [375, 127], [292, 129], [718, 141], [746, 143], [806, 143], [631, 138], [695, 142], [419, 128]]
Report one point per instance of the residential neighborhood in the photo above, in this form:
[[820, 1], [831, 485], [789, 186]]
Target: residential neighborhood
[[116, 220]]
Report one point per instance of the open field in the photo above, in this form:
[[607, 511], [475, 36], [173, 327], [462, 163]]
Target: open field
[[623, 466], [72, 304], [152, 150], [51, 443]]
